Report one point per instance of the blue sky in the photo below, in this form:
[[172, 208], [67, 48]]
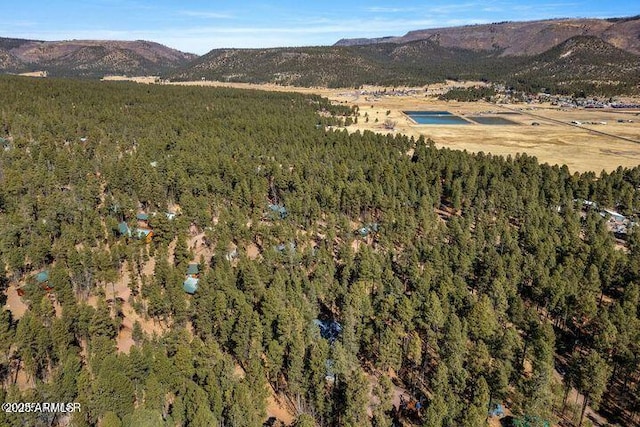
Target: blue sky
[[199, 26]]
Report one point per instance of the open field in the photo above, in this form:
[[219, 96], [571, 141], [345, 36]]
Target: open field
[[554, 140]]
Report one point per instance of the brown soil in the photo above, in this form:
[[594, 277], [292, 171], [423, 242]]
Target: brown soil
[[277, 407], [252, 251], [15, 303]]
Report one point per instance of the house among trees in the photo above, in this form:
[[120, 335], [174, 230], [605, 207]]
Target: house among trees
[[232, 252], [144, 233], [42, 280], [368, 229], [288, 247], [123, 229], [143, 220], [615, 216], [190, 284], [277, 211], [193, 270]]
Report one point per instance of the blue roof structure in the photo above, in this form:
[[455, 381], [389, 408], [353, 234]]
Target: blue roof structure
[[123, 229], [497, 410], [42, 277], [142, 217], [329, 329], [279, 209], [190, 285]]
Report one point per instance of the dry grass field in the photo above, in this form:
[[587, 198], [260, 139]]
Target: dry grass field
[[553, 140]]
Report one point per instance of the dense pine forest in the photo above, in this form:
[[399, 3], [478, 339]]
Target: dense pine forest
[[345, 269]]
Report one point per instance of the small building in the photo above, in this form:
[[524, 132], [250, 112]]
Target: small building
[[279, 211], [231, 254], [42, 280], [617, 217], [329, 329], [123, 229], [330, 372], [144, 233], [190, 285], [193, 270], [143, 220], [497, 410], [42, 277], [285, 247], [587, 204], [368, 229], [170, 215]]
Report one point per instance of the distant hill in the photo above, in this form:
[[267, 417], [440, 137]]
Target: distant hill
[[335, 66], [562, 55], [582, 63], [522, 38], [89, 58], [582, 60]]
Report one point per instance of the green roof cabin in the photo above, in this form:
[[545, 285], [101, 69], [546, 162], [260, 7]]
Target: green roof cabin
[[123, 229], [193, 270], [190, 285]]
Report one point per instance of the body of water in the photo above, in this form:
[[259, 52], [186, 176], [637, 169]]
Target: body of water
[[435, 118]]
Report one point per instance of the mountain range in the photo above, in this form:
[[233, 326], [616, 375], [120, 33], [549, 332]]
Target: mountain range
[[557, 54], [522, 38], [90, 58]]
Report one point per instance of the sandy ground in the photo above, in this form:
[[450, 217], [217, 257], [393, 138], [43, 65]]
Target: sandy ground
[[14, 302], [277, 407], [252, 251], [199, 247]]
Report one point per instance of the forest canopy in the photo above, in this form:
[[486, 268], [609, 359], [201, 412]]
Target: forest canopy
[[456, 279]]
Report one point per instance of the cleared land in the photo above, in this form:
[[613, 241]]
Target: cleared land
[[553, 140]]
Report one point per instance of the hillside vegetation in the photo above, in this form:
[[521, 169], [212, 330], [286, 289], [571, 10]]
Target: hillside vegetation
[[89, 58], [525, 38], [580, 63], [456, 279]]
